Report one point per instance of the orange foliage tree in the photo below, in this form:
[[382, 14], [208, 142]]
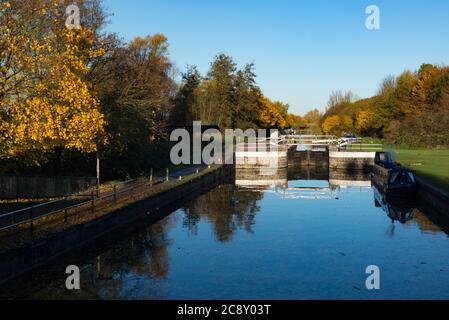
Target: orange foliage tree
[[271, 114]]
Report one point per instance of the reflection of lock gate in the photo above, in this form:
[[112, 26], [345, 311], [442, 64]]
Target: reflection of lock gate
[[306, 192]]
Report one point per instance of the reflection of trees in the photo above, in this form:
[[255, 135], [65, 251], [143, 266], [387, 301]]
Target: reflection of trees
[[130, 268], [227, 208], [145, 254], [134, 267]]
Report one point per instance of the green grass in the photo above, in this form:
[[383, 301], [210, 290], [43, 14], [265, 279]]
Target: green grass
[[432, 165]]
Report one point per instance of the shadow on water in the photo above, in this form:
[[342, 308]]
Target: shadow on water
[[139, 263]]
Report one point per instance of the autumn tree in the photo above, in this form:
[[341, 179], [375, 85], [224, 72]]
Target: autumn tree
[[410, 109], [337, 125], [313, 121], [46, 102], [295, 121], [339, 98], [331, 124], [363, 121], [271, 114], [136, 88]]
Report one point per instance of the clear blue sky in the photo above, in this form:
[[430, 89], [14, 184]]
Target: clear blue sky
[[302, 49]]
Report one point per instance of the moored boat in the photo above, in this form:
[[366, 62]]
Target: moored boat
[[396, 182]]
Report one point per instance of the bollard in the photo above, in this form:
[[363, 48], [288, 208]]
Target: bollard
[[166, 178], [197, 171], [151, 176], [180, 178], [115, 193]]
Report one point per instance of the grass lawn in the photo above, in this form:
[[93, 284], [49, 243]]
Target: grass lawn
[[431, 165]]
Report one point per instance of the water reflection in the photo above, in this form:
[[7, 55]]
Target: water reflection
[[226, 208], [307, 237], [261, 177], [400, 213]]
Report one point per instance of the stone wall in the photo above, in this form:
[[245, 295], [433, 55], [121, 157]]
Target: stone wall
[[351, 161], [433, 197], [256, 159]]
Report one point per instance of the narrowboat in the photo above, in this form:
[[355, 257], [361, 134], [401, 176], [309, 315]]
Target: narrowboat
[[397, 183]]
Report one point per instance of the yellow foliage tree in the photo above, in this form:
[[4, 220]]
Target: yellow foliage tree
[[271, 114], [337, 125], [295, 121], [45, 101], [331, 124], [363, 120]]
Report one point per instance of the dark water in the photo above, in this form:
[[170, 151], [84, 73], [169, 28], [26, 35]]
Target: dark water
[[300, 240]]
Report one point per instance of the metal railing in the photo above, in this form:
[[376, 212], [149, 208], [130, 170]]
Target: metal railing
[[312, 141], [91, 200], [283, 142], [30, 214], [363, 147]]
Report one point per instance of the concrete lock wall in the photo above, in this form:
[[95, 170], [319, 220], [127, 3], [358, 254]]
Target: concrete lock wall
[[26, 258], [433, 197], [308, 158], [255, 159], [351, 160]]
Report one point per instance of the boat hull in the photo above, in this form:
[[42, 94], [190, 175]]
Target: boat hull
[[397, 192]]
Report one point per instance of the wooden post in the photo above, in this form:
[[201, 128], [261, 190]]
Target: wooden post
[[98, 174], [92, 202], [65, 210], [17, 187], [31, 222]]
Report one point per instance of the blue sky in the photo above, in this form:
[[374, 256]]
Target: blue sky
[[303, 50]]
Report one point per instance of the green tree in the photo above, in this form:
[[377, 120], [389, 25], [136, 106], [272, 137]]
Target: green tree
[[246, 98], [182, 112]]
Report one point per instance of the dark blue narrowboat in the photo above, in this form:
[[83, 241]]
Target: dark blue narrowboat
[[397, 183]]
